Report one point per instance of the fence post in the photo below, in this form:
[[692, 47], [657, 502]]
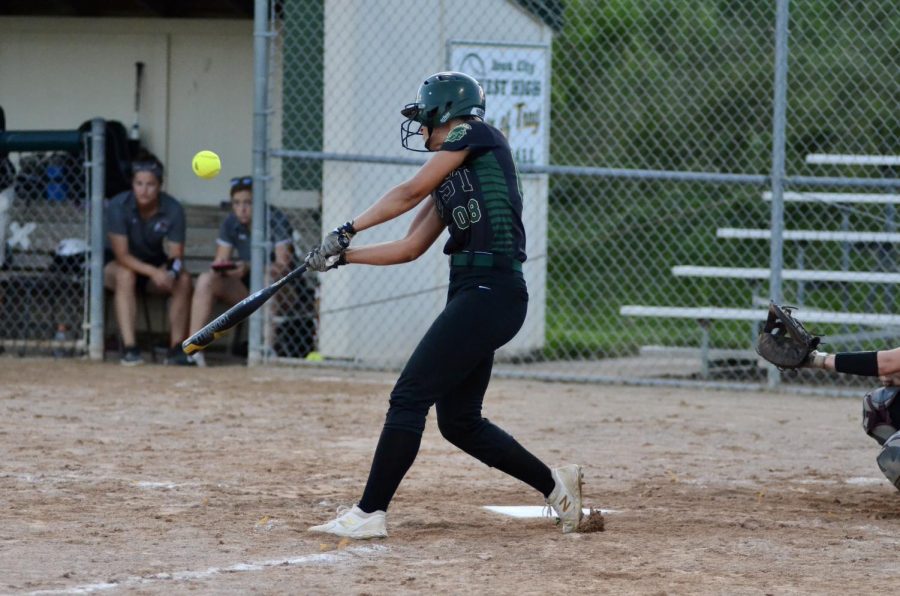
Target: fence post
[[98, 187], [259, 252], [776, 254]]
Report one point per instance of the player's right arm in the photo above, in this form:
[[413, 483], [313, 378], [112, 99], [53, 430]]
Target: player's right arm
[[407, 195]]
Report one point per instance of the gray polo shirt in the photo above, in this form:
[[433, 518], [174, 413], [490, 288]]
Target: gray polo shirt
[[145, 237], [236, 235]]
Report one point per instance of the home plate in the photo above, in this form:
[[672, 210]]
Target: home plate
[[525, 511]]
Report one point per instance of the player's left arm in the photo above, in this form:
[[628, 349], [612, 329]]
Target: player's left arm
[[407, 195], [424, 230]]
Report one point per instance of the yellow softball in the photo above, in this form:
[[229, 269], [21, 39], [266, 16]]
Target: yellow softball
[[206, 164]]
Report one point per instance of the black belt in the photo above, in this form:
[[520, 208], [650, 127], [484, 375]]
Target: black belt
[[484, 259]]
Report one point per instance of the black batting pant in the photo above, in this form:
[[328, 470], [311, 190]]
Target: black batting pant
[[451, 366]]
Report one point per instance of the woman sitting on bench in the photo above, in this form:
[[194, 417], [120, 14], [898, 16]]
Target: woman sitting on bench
[[145, 233]]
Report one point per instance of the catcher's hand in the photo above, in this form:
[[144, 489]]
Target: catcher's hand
[[784, 341]]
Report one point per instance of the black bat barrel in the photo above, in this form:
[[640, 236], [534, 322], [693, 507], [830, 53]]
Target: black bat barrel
[[235, 314]]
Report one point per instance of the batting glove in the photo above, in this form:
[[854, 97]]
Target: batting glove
[[316, 260], [337, 240]]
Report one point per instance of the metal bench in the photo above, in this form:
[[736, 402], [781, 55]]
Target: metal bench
[[889, 324], [809, 235], [705, 315], [788, 274], [838, 198], [799, 275], [846, 237], [852, 160]]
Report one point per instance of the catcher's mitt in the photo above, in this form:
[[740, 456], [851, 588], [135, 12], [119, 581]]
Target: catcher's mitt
[[784, 341]]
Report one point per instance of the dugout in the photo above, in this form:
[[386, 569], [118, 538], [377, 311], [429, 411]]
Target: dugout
[[197, 93]]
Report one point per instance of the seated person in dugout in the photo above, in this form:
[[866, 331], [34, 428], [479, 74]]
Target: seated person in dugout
[[145, 251], [228, 280]]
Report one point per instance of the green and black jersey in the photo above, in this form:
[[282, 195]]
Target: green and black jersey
[[481, 201]]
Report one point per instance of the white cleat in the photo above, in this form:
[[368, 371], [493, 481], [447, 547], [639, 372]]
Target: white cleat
[[565, 499], [355, 523]]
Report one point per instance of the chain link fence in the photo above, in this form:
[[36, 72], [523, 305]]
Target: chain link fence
[[646, 137], [44, 207]]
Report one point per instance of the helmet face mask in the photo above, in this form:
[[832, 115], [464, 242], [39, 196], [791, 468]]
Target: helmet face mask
[[411, 127], [441, 98]]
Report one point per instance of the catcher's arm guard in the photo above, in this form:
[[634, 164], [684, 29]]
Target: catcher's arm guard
[[784, 341]]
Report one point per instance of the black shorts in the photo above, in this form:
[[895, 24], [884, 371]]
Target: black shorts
[[142, 280]]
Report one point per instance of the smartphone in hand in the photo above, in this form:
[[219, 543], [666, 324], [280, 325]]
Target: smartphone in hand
[[223, 266]]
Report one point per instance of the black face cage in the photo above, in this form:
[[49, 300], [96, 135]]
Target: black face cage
[[411, 127]]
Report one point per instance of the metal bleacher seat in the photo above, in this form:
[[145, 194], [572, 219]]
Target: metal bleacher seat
[[840, 198], [762, 273], [889, 324], [809, 235], [706, 314]]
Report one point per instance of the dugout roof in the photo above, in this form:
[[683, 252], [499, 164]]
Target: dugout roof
[[168, 9], [548, 11]]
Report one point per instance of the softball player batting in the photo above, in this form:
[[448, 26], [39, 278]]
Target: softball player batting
[[476, 195]]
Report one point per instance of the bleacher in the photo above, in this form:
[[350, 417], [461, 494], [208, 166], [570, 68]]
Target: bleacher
[[756, 312]]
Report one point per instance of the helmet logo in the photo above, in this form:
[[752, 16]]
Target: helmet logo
[[445, 117]]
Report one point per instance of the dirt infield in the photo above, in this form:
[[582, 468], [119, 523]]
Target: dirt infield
[[157, 480]]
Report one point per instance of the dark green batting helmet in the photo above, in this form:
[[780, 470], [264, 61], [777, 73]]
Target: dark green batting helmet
[[441, 97]]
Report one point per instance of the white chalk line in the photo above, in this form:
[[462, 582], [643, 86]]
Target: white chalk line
[[337, 379], [866, 481], [303, 375], [144, 485], [41, 478], [329, 558], [166, 485], [756, 484], [532, 511], [149, 485]]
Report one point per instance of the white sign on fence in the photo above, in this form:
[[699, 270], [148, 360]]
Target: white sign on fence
[[516, 82]]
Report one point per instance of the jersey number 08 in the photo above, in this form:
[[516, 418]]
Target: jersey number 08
[[466, 216], [462, 216]]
